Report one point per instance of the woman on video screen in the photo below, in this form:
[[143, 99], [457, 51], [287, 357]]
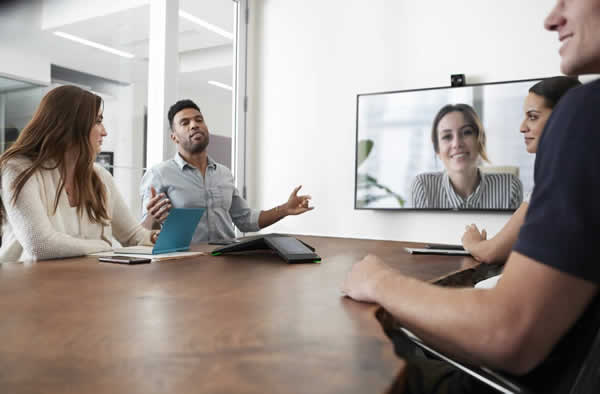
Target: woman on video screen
[[458, 140]]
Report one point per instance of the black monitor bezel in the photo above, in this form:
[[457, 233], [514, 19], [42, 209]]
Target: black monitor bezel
[[359, 95]]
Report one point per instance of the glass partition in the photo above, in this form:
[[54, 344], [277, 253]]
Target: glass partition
[[104, 47], [18, 101]]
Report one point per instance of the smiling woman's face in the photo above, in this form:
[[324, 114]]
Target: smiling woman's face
[[457, 141]]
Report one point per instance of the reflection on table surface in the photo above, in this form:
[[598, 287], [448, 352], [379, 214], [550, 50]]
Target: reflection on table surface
[[241, 323]]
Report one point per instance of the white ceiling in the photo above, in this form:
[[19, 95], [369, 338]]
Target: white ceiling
[[124, 28], [128, 29]]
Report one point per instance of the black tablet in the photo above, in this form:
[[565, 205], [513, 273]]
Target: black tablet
[[444, 246], [288, 248], [292, 250]]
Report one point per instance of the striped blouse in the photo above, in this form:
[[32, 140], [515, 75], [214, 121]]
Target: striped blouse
[[495, 191]]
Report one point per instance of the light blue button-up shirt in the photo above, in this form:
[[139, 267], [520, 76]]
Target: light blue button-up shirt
[[185, 186]]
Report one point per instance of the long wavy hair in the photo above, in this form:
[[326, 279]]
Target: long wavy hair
[[62, 122]]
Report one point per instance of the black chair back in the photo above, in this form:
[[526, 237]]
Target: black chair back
[[588, 379]]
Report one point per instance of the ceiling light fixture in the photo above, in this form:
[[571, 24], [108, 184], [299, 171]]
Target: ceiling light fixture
[[211, 27], [94, 44], [221, 85]]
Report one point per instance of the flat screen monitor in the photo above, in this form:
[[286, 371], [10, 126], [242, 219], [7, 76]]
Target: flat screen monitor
[[397, 166]]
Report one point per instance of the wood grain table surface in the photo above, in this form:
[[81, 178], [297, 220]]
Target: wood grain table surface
[[206, 324]]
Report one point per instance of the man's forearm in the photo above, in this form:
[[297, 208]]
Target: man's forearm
[[462, 323], [267, 218], [512, 327]]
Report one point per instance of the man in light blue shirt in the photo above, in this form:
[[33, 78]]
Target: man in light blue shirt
[[192, 179]]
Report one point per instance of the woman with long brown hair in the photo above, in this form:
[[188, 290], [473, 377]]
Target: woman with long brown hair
[[56, 202]]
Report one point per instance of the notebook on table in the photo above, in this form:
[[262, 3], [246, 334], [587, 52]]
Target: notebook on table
[[176, 233]]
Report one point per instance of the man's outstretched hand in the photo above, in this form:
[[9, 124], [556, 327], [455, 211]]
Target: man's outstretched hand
[[297, 204]]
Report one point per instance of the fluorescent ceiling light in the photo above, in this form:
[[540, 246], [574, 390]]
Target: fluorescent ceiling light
[[221, 85], [94, 44], [198, 21]]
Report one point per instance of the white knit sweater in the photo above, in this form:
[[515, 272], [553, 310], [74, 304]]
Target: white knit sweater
[[32, 231]]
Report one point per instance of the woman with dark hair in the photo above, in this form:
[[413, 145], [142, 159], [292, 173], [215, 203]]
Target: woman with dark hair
[[538, 106], [56, 202], [458, 139]]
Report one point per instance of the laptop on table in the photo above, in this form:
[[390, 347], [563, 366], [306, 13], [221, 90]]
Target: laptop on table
[[176, 233]]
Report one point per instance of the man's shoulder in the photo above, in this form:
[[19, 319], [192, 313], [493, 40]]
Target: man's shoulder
[[155, 174], [574, 121], [163, 166], [583, 99], [588, 89]]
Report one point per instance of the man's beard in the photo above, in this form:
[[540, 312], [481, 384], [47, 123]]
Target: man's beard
[[196, 147]]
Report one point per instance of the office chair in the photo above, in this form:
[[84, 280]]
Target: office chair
[[587, 379]]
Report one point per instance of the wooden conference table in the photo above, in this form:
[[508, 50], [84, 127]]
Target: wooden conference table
[[226, 324]]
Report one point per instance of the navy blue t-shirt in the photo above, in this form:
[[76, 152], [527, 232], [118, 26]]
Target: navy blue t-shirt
[[562, 226]]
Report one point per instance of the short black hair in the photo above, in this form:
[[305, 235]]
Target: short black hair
[[552, 89], [178, 106]]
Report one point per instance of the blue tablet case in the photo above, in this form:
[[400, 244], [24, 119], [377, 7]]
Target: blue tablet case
[[178, 230]]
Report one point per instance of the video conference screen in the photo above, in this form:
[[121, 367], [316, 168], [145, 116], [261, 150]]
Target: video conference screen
[[413, 151]]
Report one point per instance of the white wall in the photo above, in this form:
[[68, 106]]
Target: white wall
[[310, 58]]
